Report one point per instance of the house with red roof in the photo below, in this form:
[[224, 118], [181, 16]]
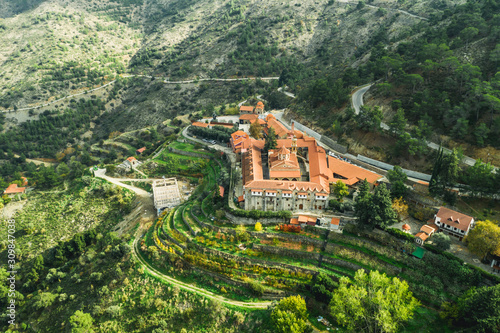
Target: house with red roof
[[246, 109], [131, 162], [13, 190], [453, 223], [426, 231], [140, 150], [335, 223]]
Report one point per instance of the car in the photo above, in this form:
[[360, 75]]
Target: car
[[213, 142]]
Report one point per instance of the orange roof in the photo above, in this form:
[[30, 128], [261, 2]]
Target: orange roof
[[260, 105], [429, 229], [335, 221], [25, 181], [249, 116], [271, 191], [294, 220], [287, 192], [241, 198], [14, 189], [302, 193], [422, 235], [406, 226], [454, 218], [140, 150], [131, 159], [221, 190], [423, 183], [349, 171], [199, 124], [260, 121], [270, 116], [280, 129], [246, 108], [306, 219]]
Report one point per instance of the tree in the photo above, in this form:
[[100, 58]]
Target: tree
[[81, 322], [484, 238], [363, 205], [383, 214], [372, 303], [256, 130], [397, 177], [481, 133], [258, 226], [62, 169], [271, 142], [369, 118], [479, 308], [468, 34], [290, 315], [340, 190], [442, 241], [401, 208], [398, 123]]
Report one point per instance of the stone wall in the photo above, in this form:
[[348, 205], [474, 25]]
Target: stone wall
[[286, 252], [250, 221]]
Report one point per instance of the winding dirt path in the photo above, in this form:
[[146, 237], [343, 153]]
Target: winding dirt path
[[202, 292]]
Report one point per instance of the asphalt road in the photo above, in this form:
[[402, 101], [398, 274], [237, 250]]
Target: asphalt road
[[357, 102]]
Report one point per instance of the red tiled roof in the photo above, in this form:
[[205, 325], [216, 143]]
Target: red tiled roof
[[249, 116], [454, 218], [429, 228], [422, 235], [335, 221], [406, 226], [131, 159], [294, 220], [12, 189], [221, 190], [241, 198], [246, 108], [280, 129], [260, 105], [140, 150], [350, 171], [199, 124], [306, 219]]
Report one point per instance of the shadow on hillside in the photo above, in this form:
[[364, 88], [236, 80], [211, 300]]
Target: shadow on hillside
[[9, 8]]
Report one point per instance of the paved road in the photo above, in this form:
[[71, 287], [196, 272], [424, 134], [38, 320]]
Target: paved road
[[289, 94], [357, 102]]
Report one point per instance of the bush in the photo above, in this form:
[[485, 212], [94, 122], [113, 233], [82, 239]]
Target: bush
[[256, 288], [400, 234]]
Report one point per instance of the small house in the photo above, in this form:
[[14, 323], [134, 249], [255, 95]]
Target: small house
[[13, 190], [453, 223], [131, 162], [335, 223], [425, 232], [406, 228], [140, 150]]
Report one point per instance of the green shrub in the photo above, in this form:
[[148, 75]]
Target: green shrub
[[400, 234]]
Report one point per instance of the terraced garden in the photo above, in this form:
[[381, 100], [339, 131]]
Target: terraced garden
[[196, 244]]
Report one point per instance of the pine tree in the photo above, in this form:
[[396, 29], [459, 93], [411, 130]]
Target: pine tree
[[271, 142], [384, 214]]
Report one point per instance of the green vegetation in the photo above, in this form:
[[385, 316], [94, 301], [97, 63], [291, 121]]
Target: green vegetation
[[372, 302]]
